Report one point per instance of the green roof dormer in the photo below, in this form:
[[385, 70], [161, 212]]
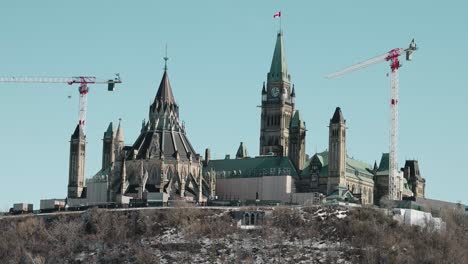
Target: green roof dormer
[[279, 68]]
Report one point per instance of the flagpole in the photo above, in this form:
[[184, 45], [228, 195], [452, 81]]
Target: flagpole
[[280, 25]]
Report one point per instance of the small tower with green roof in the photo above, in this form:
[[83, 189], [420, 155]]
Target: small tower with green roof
[[297, 134]]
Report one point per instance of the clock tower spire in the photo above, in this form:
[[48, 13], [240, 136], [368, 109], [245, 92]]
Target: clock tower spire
[[277, 105]]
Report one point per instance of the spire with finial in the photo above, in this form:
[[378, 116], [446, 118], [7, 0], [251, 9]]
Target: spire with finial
[[164, 95], [119, 134], [279, 68], [166, 58]]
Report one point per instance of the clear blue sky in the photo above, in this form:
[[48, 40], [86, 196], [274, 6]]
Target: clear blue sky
[[220, 53]]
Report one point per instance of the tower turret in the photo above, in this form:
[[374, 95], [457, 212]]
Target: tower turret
[[264, 93], [108, 151], [76, 173], [297, 134], [119, 140], [277, 105], [337, 152]]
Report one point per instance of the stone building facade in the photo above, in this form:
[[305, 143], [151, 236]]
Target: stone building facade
[[333, 173], [161, 160], [413, 185]]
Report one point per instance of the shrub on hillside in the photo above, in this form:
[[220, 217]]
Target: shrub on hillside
[[380, 239]]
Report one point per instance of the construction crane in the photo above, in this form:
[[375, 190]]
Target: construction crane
[[83, 89], [394, 181]]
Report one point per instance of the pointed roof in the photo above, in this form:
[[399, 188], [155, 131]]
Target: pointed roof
[[164, 136], [164, 93], [241, 152], [413, 165], [109, 132], [279, 68], [337, 117], [119, 134], [293, 93], [384, 163], [264, 89], [164, 102], [297, 121], [79, 133]]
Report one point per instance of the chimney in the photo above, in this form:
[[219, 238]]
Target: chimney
[[227, 156]]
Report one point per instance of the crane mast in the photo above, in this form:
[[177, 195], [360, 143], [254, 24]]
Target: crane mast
[[83, 88], [395, 183]]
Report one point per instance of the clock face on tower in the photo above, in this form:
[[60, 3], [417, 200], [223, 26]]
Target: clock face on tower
[[275, 91]]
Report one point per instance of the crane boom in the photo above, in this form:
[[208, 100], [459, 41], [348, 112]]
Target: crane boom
[[83, 89], [68, 80], [389, 56], [358, 66], [395, 183]]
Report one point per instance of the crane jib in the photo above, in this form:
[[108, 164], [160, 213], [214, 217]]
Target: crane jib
[[83, 89]]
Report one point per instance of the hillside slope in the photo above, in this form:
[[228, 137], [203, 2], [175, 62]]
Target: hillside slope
[[194, 235]]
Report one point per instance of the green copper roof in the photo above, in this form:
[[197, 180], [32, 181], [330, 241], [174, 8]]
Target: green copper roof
[[360, 169], [337, 117], [252, 167], [342, 194], [406, 188], [359, 166], [279, 68], [101, 176], [297, 120], [322, 158], [242, 151], [109, 132], [384, 162], [79, 133]]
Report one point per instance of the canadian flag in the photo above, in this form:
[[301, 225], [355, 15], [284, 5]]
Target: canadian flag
[[277, 15]]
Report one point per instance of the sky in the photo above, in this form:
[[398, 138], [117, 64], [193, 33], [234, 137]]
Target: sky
[[220, 53]]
